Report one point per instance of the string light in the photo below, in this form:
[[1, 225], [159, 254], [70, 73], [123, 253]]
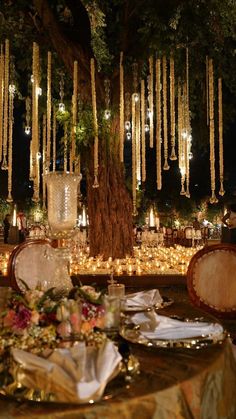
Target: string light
[[12, 90], [220, 127], [122, 116], [165, 131], [49, 110], [5, 111], [158, 124], [95, 123], [143, 130], [74, 116], [172, 108], [213, 198], [150, 101], [1, 98]]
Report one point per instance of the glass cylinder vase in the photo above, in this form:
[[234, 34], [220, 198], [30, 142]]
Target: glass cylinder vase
[[62, 203]]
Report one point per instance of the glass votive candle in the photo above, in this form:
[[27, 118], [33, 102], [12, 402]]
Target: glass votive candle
[[112, 312], [116, 290]]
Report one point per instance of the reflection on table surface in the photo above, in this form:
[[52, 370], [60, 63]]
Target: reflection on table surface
[[173, 383]]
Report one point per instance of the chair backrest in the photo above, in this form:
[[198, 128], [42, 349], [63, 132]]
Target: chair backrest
[[33, 261], [188, 232], [211, 280]]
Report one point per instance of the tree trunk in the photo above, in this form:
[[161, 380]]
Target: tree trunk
[[109, 207]]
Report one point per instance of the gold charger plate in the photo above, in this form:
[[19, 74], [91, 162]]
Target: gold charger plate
[[131, 333], [166, 301]]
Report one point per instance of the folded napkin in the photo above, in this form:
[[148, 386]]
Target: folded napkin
[[142, 299], [154, 326], [78, 374]]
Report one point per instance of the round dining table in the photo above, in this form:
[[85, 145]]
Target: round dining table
[[172, 383]]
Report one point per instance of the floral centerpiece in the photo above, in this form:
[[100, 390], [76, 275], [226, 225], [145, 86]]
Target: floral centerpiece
[[41, 319]]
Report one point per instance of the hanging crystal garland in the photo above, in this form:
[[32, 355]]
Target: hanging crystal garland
[[12, 90], [207, 90], [165, 129], [143, 132], [221, 149], [27, 116], [122, 116], [54, 130], [138, 142], [65, 146], [172, 108], [150, 110], [49, 110], [127, 116], [5, 111], [107, 88], [37, 91], [1, 98], [158, 124], [134, 182], [95, 123], [61, 106], [74, 117], [213, 198], [181, 135], [44, 159]]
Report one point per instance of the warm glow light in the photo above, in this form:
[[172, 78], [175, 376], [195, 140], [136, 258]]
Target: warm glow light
[[14, 216]]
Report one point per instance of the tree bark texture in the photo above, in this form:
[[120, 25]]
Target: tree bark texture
[[109, 208]]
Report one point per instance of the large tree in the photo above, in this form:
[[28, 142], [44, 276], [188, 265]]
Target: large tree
[[79, 30]]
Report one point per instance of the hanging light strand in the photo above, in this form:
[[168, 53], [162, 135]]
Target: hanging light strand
[[74, 116], [11, 122], [165, 129], [122, 116], [220, 127], [143, 139], [1, 98], [213, 198], [172, 108], [95, 123], [134, 182], [35, 126], [158, 124], [207, 90], [54, 131], [49, 109], [137, 142], [5, 111], [45, 167], [150, 101], [65, 146]]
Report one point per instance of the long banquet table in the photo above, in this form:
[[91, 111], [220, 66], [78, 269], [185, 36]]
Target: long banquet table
[[173, 383]]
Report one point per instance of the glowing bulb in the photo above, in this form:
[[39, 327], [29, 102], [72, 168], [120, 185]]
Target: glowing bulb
[[32, 78], [136, 97], [127, 125], [146, 127], [39, 91], [27, 129], [128, 136], [190, 155], [149, 113], [12, 88], [183, 171], [39, 155], [184, 134], [61, 107], [107, 114]]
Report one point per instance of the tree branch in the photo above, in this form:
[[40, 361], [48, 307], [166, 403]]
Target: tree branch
[[68, 50]]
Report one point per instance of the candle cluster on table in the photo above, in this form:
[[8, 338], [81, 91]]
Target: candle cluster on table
[[158, 261], [3, 263]]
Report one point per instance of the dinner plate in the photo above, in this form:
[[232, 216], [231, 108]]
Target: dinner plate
[[166, 301], [131, 333]]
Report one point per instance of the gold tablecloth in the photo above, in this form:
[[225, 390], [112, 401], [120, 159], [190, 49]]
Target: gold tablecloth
[[173, 384]]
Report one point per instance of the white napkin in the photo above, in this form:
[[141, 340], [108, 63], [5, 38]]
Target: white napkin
[[142, 299], [77, 374], [154, 326]]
